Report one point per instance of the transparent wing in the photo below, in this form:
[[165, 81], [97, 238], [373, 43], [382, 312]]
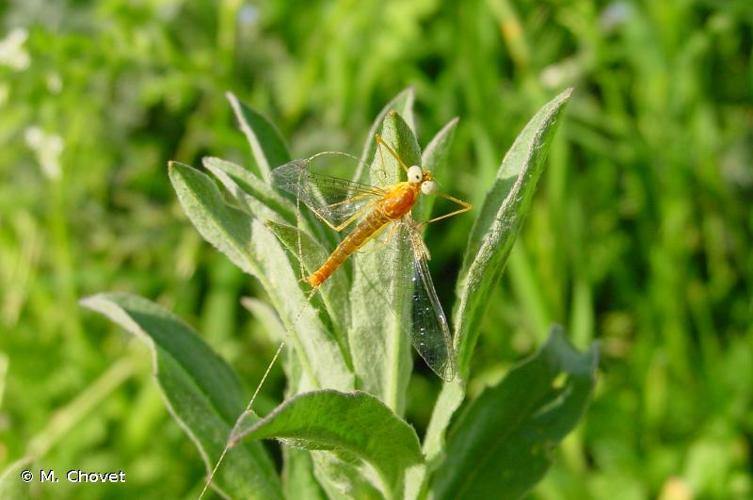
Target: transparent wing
[[429, 330], [334, 199]]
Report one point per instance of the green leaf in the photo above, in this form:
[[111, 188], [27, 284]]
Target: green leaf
[[267, 318], [449, 400], [200, 389], [403, 104], [380, 308], [250, 245], [344, 476], [298, 475], [501, 216], [334, 293], [494, 231], [502, 444], [253, 194], [267, 146], [297, 380], [355, 423], [434, 158], [11, 484]]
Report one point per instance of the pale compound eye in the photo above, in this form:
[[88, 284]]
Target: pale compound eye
[[415, 174], [428, 187]]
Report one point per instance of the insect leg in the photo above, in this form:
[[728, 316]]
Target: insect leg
[[464, 207], [381, 142], [357, 215], [379, 242]]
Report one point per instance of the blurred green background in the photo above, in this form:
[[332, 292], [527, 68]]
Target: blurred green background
[[640, 235]]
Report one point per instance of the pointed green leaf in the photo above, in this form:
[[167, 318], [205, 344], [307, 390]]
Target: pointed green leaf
[[250, 245], [200, 389], [501, 215], [499, 219], [380, 308], [252, 193], [356, 423], [334, 292], [403, 104], [267, 146], [501, 445], [434, 159], [449, 400]]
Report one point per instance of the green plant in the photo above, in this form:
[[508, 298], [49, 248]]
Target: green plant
[[341, 424]]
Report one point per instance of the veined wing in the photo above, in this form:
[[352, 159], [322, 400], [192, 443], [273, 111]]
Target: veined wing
[[429, 330], [334, 199]]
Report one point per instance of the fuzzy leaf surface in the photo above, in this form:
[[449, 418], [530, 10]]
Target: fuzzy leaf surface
[[250, 245], [252, 193], [502, 444], [380, 304], [355, 423], [267, 146], [500, 218], [434, 159], [201, 391], [501, 215], [402, 103]]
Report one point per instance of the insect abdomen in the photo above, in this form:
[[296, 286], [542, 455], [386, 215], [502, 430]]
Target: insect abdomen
[[371, 224]]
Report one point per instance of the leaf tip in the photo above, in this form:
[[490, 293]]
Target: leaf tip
[[567, 93], [88, 301], [231, 97]]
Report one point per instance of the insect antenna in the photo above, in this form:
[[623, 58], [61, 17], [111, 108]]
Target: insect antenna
[[232, 442], [229, 443]]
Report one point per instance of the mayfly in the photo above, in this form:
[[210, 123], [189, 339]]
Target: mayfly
[[369, 210]]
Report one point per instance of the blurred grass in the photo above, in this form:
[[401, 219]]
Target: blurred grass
[[640, 235]]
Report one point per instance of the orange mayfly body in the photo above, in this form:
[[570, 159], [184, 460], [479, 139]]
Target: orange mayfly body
[[341, 204]]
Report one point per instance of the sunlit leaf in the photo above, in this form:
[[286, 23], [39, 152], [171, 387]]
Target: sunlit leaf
[[267, 146], [202, 392], [402, 104], [500, 217], [495, 229], [502, 443], [380, 308], [363, 427], [250, 245], [434, 159]]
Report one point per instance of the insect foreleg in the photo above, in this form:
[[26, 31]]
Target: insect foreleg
[[464, 207], [381, 142]]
